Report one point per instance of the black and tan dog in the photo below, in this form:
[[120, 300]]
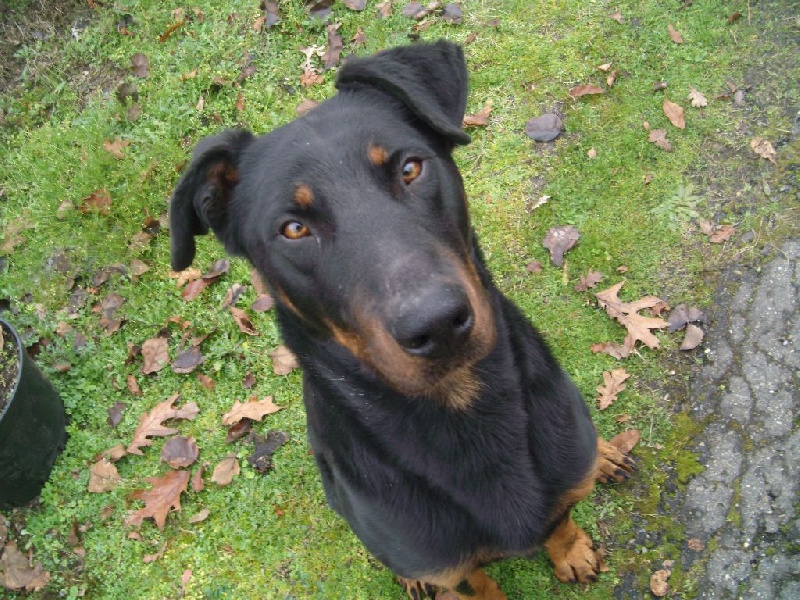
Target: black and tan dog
[[445, 432]]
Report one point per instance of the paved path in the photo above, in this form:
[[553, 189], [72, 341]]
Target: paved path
[[744, 507]]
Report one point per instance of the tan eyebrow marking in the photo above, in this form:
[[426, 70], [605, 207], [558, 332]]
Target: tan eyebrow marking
[[303, 195], [377, 155]]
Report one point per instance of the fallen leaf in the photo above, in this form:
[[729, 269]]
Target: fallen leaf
[[683, 314], [625, 441], [114, 453], [696, 544], [698, 99], [187, 360], [763, 148], [626, 313], [17, 573], [585, 90], [384, 9], [331, 56], [480, 118], [150, 424], [242, 321], [534, 267], [193, 289], [179, 451], [261, 458], [197, 478], [283, 361], [164, 496], [674, 113], [734, 17], [694, 335], [116, 410], [721, 233], [658, 583], [206, 381], [116, 148], [319, 9], [659, 138], [613, 384], [359, 38], [271, 15], [226, 470], [140, 65], [614, 350], [98, 201], [590, 280], [452, 13], [233, 294], [559, 240], [155, 355], [148, 558], [139, 267], [617, 16], [252, 409], [545, 128], [200, 516], [605, 68], [311, 77], [103, 476], [674, 34]]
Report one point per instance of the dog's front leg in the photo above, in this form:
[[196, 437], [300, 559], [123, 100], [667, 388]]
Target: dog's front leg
[[573, 554]]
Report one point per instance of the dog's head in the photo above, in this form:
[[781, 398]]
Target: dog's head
[[355, 215]]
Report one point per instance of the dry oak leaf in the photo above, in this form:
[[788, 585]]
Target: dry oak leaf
[[658, 583], [763, 148], [283, 361], [165, 495], [150, 424], [98, 201], [721, 233], [613, 384], [180, 451], [585, 90], [614, 350], [626, 441], [242, 321], [627, 314], [659, 138], [200, 516], [226, 470], [694, 335], [252, 409], [480, 118], [674, 34], [155, 355], [590, 280], [116, 148], [103, 476], [698, 99], [559, 240], [674, 113], [16, 572]]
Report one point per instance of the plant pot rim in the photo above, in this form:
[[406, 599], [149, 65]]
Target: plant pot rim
[[13, 392]]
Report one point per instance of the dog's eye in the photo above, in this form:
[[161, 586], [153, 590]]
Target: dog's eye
[[412, 169], [294, 230]]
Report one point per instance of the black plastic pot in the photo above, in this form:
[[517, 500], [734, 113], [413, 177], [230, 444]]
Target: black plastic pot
[[32, 430]]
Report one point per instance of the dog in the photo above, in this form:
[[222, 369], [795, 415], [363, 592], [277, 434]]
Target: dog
[[444, 430]]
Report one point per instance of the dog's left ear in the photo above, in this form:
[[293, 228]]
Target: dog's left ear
[[430, 79]]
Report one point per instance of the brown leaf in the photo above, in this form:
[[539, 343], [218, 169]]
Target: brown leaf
[[721, 233], [674, 113], [114, 453], [544, 128], [534, 267], [683, 314], [140, 65], [698, 99], [331, 56], [139, 267], [480, 118], [206, 381], [103, 476], [658, 583], [625, 441], [164, 496], [252, 409], [261, 458], [193, 289], [310, 77], [626, 313], [226, 470], [117, 147], [233, 294], [659, 138], [98, 201], [763, 148], [452, 13], [283, 361], [116, 410], [615, 350], [359, 39], [150, 424], [155, 355], [357, 5], [674, 34], [271, 16], [200, 516], [238, 430], [559, 240], [197, 478], [734, 17], [187, 360], [590, 280], [585, 90], [617, 16], [694, 335], [242, 321], [613, 384], [180, 451], [319, 9], [16, 572], [384, 9], [695, 544]]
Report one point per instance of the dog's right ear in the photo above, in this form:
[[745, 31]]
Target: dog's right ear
[[200, 201]]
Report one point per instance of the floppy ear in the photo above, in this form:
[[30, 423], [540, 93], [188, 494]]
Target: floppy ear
[[201, 199], [430, 79]]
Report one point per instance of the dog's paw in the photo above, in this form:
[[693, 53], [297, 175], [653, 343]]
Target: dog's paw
[[573, 555], [612, 464], [417, 590]]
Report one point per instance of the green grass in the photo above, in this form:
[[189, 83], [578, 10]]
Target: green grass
[[273, 536]]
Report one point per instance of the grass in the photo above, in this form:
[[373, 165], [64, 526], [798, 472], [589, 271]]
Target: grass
[[273, 536]]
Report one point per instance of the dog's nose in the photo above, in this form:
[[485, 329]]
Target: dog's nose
[[435, 324]]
